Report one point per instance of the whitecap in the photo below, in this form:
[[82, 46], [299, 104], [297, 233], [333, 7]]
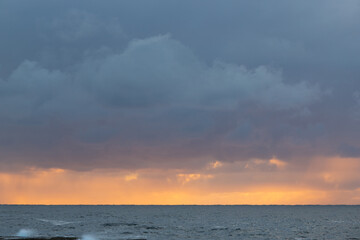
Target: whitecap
[[25, 233], [88, 237], [55, 222]]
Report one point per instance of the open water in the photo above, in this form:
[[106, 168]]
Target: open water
[[181, 222]]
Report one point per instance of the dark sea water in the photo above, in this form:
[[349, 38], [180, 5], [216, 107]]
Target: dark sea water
[[182, 222]]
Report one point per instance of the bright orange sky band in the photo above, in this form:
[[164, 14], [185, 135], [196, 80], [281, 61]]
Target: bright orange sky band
[[252, 182]]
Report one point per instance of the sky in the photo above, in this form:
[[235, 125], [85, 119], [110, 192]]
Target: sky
[[180, 102]]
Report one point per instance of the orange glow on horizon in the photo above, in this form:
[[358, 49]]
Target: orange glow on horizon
[[319, 185]]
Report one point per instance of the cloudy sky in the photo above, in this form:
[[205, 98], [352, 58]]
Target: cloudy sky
[[180, 102]]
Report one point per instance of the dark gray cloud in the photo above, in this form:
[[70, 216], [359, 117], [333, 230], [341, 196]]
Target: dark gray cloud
[[89, 84]]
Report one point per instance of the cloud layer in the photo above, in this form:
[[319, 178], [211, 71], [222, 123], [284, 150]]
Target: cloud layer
[[154, 93], [175, 85]]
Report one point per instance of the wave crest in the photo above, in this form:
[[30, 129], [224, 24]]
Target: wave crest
[[25, 233]]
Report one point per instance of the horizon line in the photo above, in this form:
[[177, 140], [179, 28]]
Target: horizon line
[[5, 204]]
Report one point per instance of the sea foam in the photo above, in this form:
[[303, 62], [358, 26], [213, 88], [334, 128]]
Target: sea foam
[[55, 222], [88, 237], [25, 233]]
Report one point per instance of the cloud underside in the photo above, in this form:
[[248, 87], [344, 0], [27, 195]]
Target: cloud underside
[[154, 98], [210, 94]]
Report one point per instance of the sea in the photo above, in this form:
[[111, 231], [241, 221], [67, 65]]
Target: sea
[[180, 222]]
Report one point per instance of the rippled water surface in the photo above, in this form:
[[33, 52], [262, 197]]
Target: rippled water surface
[[182, 222]]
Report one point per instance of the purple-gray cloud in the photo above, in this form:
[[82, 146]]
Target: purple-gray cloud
[[84, 86]]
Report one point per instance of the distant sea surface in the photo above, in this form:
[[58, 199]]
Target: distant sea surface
[[181, 222]]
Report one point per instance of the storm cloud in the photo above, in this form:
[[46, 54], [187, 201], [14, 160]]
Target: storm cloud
[[170, 84]]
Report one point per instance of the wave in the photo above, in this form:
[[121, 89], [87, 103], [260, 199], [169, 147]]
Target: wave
[[25, 233], [88, 237], [55, 222]]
